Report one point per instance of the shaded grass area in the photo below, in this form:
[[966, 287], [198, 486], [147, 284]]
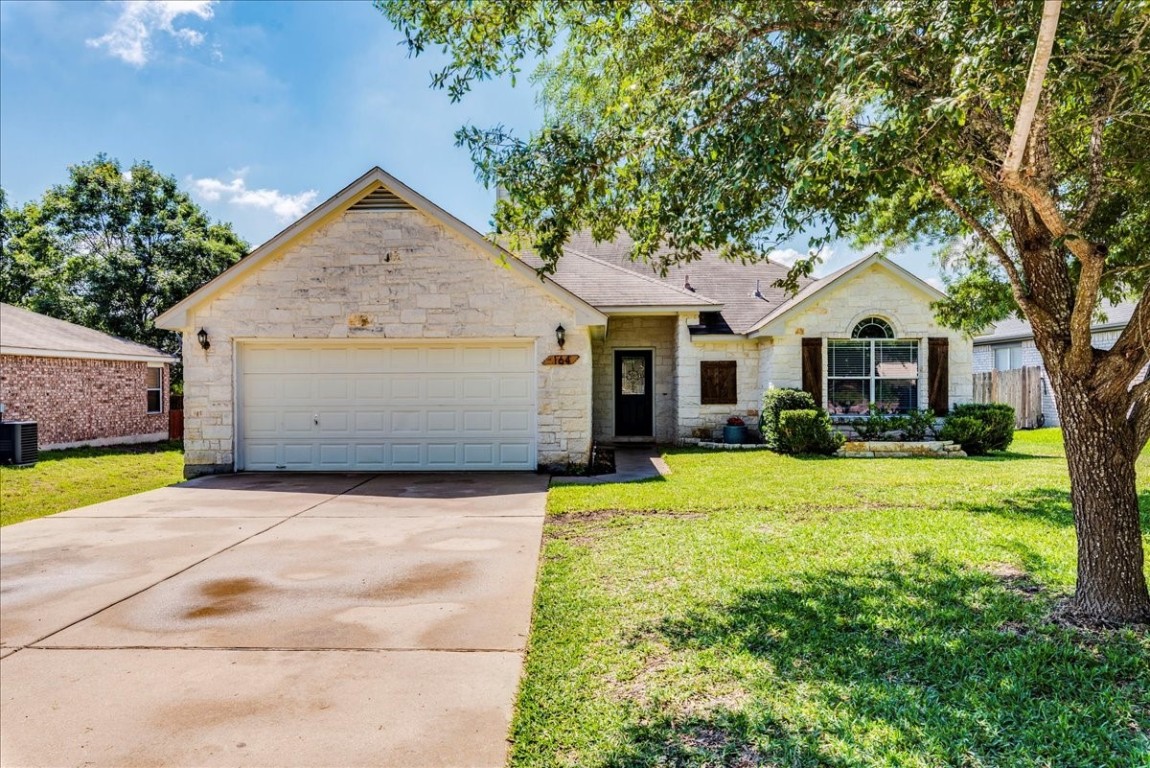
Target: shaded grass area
[[754, 609], [77, 477]]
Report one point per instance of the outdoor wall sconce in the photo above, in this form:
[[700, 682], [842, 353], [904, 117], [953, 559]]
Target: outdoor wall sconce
[[202, 337], [561, 336]]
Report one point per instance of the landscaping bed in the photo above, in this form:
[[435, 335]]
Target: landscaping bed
[[759, 609]]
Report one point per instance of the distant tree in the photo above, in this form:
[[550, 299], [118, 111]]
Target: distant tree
[[111, 249], [729, 123]]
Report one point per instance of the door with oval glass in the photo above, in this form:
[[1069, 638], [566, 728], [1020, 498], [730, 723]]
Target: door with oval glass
[[634, 399]]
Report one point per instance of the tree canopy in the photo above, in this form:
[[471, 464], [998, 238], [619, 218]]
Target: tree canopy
[[111, 249], [729, 124]]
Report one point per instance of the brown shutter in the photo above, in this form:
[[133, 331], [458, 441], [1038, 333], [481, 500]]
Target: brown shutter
[[938, 373], [813, 369]]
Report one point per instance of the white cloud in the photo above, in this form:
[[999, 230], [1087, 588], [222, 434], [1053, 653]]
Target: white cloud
[[788, 256], [130, 38], [236, 192]]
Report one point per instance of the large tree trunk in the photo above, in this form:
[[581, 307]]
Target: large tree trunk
[[1100, 451]]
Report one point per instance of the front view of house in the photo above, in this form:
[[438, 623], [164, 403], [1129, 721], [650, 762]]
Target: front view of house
[[381, 333]]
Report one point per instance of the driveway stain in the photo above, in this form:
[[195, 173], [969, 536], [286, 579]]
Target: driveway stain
[[225, 597], [431, 577]]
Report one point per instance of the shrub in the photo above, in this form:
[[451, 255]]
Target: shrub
[[807, 431], [878, 426], [776, 401], [997, 418], [967, 431], [919, 424]]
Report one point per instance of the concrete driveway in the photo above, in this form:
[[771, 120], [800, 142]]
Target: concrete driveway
[[271, 620]]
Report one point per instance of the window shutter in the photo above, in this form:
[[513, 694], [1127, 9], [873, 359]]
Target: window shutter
[[938, 371], [813, 369]]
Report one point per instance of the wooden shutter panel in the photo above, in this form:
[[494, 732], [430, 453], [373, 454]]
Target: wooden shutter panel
[[813, 369], [938, 373]]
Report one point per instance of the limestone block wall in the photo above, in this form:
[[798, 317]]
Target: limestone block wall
[[656, 333], [697, 421], [875, 291], [382, 275]]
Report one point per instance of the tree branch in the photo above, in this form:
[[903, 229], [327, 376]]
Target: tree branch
[[1130, 352], [1140, 414], [1033, 91], [1018, 287]]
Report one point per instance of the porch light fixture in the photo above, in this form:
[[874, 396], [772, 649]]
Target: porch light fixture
[[202, 337], [561, 336]]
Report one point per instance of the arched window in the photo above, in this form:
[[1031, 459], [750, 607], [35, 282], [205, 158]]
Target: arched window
[[872, 371], [872, 328]]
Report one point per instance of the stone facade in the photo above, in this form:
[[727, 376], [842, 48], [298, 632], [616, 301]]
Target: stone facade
[[629, 333], [386, 275], [81, 401], [704, 422], [834, 312]]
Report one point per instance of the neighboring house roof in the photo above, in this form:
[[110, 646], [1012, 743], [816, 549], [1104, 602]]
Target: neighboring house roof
[[381, 190], [813, 290], [1014, 329], [611, 288], [23, 332], [732, 284]]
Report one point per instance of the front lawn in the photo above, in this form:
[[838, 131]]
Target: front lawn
[[755, 609], [81, 476]]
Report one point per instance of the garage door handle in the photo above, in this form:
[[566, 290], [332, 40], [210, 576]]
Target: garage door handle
[[315, 418]]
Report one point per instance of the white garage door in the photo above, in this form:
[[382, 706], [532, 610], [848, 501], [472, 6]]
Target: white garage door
[[400, 406]]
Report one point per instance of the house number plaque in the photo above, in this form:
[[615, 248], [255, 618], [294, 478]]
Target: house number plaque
[[560, 359]]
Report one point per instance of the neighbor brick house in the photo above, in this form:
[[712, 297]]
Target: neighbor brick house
[[379, 332], [81, 386]]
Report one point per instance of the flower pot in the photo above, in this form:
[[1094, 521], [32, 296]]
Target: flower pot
[[734, 435]]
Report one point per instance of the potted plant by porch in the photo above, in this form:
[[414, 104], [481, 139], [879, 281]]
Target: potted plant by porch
[[735, 433]]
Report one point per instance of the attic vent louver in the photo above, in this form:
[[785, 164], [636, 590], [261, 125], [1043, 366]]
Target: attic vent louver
[[381, 199]]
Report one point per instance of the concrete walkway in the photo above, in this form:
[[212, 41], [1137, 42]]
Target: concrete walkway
[[271, 620], [631, 464]]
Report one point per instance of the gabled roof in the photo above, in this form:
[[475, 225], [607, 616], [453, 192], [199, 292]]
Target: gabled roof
[[610, 288], [732, 284], [812, 290], [1014, 329], [367, 187], [23, 332]]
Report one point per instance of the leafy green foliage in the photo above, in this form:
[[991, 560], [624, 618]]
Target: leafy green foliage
[[111, 249], [876, 425], [998, 418], [919, 425], [807, 432], [967, 431], [775, 401]]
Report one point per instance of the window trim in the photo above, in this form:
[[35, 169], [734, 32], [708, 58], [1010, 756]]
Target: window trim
[[872, 377], [149, 389], [730, 390], [1009, 348]]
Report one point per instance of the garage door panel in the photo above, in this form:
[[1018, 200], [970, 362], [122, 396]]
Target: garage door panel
[[400, 406]]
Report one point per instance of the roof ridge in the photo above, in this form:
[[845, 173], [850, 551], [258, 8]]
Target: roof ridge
[[631, 273]]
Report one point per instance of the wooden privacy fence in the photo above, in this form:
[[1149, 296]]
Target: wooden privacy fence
[[1020, 388]]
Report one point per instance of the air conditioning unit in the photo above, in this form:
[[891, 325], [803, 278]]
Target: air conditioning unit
[[19, 443]]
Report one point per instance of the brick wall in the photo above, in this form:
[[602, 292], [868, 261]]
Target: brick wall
[[78, 402]]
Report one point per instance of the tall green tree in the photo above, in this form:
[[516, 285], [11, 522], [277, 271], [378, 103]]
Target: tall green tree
[[728, 123], [111, 249]]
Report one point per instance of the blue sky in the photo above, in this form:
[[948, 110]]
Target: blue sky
[[260, 109]]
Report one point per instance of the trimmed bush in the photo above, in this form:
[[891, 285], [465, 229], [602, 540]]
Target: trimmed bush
[[877, 426], [967, 431], [997, 418], [775, 402], [919, 425], [807, 431]]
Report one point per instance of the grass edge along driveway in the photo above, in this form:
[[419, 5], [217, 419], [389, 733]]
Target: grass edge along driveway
[[77, 477], [755, 609]]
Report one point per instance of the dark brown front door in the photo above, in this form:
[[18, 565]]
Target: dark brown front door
[[634, 400]]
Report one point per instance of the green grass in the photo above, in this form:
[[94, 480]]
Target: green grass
[[80, 476], [755, 609]]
